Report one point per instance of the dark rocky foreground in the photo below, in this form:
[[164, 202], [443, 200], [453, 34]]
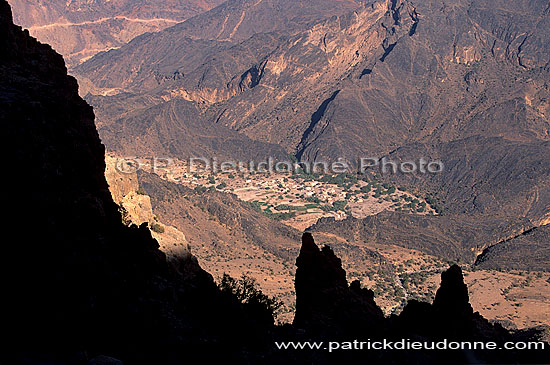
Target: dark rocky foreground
[[78, 284], [329, 309]]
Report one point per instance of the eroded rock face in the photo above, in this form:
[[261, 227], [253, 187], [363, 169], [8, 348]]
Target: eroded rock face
[[527, 251], [461, 82], [135, 206]]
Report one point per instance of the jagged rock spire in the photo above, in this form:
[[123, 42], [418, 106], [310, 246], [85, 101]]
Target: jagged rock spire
[[324, 301], [452, 296]]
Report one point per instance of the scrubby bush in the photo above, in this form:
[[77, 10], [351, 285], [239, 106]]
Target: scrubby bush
[[247, 292], [155, 227]]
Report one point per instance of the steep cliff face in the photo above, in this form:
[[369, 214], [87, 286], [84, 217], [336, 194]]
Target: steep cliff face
[[79, 282]]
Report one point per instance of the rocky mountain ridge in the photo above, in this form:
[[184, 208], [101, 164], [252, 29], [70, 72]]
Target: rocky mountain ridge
[[464, 83]]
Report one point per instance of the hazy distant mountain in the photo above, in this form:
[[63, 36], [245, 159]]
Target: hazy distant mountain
[[79, 29], [240, 19], [185, 46]]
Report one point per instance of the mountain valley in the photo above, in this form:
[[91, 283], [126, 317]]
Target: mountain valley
[[464, 83]]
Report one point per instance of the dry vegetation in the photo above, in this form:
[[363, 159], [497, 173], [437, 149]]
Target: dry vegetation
[[395, 274]]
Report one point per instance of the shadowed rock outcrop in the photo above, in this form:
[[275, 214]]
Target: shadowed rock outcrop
[[324, 301], [328, 309], [450, 316], [452, 296]]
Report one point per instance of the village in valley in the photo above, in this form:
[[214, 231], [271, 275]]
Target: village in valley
[[300, 198]]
